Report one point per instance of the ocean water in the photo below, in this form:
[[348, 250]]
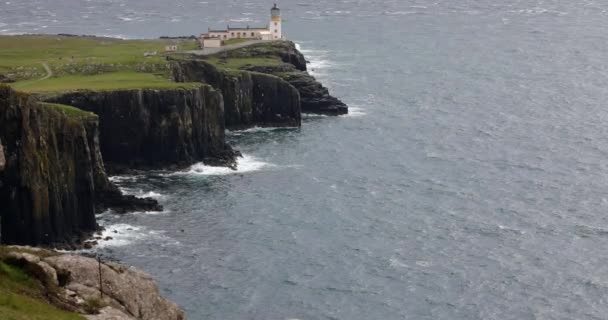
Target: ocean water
[[469, 181]]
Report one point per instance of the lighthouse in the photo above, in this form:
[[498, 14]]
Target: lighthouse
[[275, 22]]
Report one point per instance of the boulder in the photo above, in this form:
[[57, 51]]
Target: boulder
[[109, 313], [42, 270], [128, 290]]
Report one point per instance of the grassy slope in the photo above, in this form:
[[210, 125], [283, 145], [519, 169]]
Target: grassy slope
[[235, 41], [265, 54], [85, 62], [22, 297], [104, 81], [69, 110], [237, 63]]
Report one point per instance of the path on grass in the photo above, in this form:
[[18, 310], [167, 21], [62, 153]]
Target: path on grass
[[49, 72], [210, 51]]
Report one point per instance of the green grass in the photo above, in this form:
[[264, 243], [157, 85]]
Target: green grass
[[104, 81], [235, 41], [22, 56], [237, 63], [21, 298], [69, 110]]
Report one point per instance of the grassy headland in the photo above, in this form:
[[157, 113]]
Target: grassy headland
[[43, 63]]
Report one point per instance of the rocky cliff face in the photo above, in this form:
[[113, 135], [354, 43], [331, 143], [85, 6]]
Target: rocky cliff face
[[146, 128], [53, 176], [48, 190], [76, 283], [314, 97], [249, 98], [2, 159]]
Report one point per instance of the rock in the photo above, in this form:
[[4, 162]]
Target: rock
[[48, 187], [42, 270], [109, 313], [127, 290], [55, 179], [286, 50], [149, 128], [314, 96], [2, 158], [250, 99]]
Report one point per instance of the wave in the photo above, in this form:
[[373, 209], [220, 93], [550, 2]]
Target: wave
[[123, 234], [124, 178], [355, 112], [257, 130], [245, 164], [139, 193]]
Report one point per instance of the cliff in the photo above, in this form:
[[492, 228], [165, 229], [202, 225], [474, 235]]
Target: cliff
[[52, 173], [68, 285], [291, 67], [151, 128], [249, 98]]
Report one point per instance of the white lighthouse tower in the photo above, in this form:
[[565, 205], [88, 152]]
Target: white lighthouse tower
[[275, 22]]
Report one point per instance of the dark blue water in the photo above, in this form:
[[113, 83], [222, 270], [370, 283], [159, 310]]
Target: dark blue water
[[470, 182]]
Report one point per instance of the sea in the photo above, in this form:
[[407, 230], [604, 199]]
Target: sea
[[468, 181]]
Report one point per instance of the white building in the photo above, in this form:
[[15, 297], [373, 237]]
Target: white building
[[171, 48], [216, 38]]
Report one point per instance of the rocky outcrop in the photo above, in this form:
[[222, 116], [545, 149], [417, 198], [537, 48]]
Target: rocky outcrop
[[100, 291], [149, 128], [314, 97], [249, 98], [52, 173], [286, 50]]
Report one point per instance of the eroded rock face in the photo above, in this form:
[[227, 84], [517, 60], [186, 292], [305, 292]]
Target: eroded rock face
[[48, 191], [147, 128], [54, 176], [250, 99], [314, 97], [2, 159]]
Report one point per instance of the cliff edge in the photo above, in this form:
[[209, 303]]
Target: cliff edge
[[53, 178], [156, 128]]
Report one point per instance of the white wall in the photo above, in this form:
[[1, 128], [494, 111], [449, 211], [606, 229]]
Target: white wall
[[212, 43], [275, 29]]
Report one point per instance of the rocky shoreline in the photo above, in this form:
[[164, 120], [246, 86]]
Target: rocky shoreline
[[98, 290]]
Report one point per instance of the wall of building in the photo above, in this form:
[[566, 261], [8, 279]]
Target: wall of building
[[212, 43]]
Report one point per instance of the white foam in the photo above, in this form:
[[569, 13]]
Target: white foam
[[123, 234], [245, 164], [124, 178], [355, 112], [255, 130], [151, 194]]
